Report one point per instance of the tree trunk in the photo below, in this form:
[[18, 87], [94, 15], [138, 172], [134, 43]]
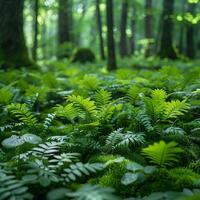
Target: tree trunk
[[148, 25], [190, 41], [111, 65], [182, 31], [13, 51], [123, 37], [165, 46], [64, 25], [99, 27], [132, 39], [35, 42]]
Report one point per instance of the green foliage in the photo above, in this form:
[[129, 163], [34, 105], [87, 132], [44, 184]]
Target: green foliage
[[15, 141], [88, 192], [66, 126], [162, 154], [22, 113]]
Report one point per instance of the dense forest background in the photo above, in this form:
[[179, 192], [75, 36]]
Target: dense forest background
[[54, 29]]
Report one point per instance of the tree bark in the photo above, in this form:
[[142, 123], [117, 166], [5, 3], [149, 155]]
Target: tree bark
[[35, 42], [99, 27], [133, 30], [123, 37], [148, 25], [111, 65], [190, 37], [13, 51], [64, 24], [165, 46]]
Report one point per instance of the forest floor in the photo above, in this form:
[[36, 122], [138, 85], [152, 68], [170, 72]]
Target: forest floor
[[74, 131]]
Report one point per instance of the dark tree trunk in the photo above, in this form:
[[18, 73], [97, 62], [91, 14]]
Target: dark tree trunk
[[13, 51], [35, 42], [182, 31], [165, 45], [190, 37], [112, 65], [99, 27], [148, 25], [123, 37], [133, 27], [64, 24]]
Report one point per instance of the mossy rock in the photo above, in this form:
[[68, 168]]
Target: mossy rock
[[83, 55]]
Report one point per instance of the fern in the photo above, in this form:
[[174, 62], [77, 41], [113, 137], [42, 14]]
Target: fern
[[133, 94], [102, 98], [174, 131], [11, 188], [145, 120], [6, 96], [46, 150], [83, 106], [89, 192], [78, 169], [117, 139], [175, 108], [158, 95], [48, 121], [63, 158], [22, 113], [90, 82], [40, 172], [162, 154], [68, 112]]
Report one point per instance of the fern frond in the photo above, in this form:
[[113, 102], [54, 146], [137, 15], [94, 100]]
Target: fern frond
[[89, 192], [63, 158], [102, 98], [162, 154], [46, 150], [175, 108], [78, 169], [174, 131], [11, 188], [90, 82], [6, 96], [84, 106], [118, 139], [69, 112], [48, 121], [21, 112], [133, 94], [158, 95]]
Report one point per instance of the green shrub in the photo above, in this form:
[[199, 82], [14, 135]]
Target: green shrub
[[83, 55]]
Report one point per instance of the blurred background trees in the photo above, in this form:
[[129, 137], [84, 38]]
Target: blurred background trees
[[55, 28]]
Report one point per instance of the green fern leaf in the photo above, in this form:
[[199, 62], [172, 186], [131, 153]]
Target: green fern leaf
[[162, 154]]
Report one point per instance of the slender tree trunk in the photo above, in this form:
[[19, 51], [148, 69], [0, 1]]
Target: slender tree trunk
[[35, 42], [190, 37], [64, 24], [123, 37], [111, 65], [182, 31], [99, 27], [13, 51], [148, 25], [165, 46], [133, 27]]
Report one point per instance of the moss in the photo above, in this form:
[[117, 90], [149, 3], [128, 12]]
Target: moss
[[183, 178], [195, 166], [103, 158], [113, 178], [83, 55]]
